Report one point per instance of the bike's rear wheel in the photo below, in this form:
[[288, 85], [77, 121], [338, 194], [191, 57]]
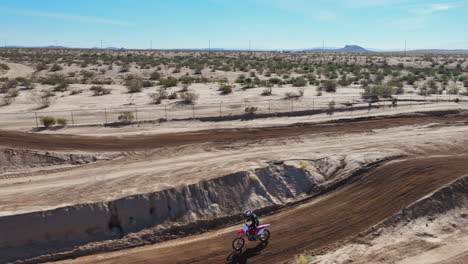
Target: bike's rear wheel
[[238, 243], [264, 236]]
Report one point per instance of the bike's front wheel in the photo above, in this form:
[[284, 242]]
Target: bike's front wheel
[[264, 236], [238, 243]]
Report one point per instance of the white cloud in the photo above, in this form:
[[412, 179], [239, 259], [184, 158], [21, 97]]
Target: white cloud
[[432, 9], [64, 16]]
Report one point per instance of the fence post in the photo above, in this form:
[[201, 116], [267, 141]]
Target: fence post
[[105, 115], [220, 112], [269, 106], [37, 122], [72, 119], [136, 114]]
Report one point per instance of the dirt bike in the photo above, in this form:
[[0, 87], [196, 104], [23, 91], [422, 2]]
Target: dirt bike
[[261, 233]]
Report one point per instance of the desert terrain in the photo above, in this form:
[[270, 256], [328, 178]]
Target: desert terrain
[[137, 156]]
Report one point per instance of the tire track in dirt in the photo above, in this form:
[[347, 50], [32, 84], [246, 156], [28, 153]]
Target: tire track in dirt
[[313, 226], [144, 142]]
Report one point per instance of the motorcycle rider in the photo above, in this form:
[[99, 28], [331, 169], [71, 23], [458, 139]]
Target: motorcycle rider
[[249, 215]]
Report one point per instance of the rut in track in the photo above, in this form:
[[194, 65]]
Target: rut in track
[[352, 209], [143, 142]]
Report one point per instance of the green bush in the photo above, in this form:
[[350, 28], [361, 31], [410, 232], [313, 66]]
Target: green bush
[[48, 121], [99, 90], [157, 97], [382, 90], [331, 107], [125, 68], [189, 97], [55, 68], [155, 76], [267, 92], [329, 86], [225, 89], [126, 117], [62, 121], [251, 110], [453, 90], [134, 85], [61, 87], [168, 82], [4, 67], [299, 82]]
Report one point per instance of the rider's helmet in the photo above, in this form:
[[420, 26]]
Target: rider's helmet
[[247, 213]]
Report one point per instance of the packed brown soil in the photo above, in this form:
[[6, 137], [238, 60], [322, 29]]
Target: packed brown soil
[[144, 142], [373, 198]]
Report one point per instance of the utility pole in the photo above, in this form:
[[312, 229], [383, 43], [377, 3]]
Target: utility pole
[[151, 44], [101, 44], [323, 45], [250, 45], [405, 48]]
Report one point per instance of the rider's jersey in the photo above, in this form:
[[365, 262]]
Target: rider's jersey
[[254, 219]]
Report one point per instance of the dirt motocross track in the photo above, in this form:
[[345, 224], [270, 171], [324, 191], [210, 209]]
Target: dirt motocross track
[[368, 199], [314, 225], [144, 142]]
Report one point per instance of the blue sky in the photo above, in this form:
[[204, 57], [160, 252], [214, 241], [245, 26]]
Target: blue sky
[[268, 24]]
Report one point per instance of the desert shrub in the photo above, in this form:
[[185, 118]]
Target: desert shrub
[[44, 99], [453, 90], [299, 82], [62, 121], [4, 67], [275, 80], [54, 79], [26, 83], [251, 110], [456, 100], [394, 102], [290, 95], [99, 90], [48, 121], [382, 90], [331, 107], [9, 84], [344, 81], [267, 92], [303, 259], [173, 95], [134, 85], [12, 93], [76, 91], [300, 92], [168, 82], [126, 117], [155, 76], [61, 87], [329, 86], [41, 67], [125, 68], [7, 100], [189, 97], [225, 89], [157, 97], [55, 68], [146, 83]]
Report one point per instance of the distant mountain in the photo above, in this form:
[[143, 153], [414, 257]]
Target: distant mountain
[[347, 48], [353, 48]]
